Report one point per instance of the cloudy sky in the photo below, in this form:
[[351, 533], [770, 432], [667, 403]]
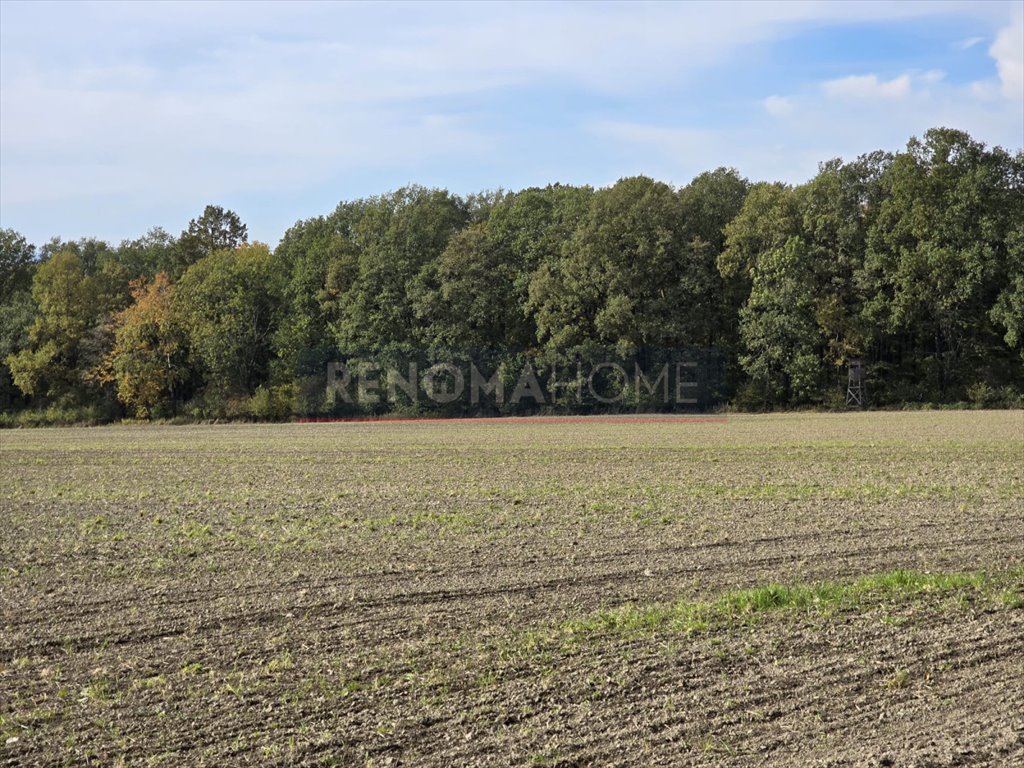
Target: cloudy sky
[[116, 117]]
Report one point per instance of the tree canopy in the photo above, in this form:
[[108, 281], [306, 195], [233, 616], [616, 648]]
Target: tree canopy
[[912, 262]]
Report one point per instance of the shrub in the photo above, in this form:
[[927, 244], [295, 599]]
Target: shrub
[[981, 395], [272, 403]]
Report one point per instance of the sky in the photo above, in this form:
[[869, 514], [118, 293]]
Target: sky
[[118, 117]]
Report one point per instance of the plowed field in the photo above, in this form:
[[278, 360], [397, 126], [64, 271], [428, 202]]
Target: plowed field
[[516, 592]]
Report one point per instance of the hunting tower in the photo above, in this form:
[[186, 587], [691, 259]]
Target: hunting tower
[[855, 392]]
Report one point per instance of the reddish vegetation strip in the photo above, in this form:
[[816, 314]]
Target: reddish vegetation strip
[[641, 419]]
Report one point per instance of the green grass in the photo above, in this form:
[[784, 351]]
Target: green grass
[[823, 597]]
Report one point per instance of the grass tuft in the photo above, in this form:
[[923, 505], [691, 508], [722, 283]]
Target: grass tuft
[[748, 604]]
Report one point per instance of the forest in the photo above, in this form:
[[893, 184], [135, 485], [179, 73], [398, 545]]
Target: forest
[[910, 261]]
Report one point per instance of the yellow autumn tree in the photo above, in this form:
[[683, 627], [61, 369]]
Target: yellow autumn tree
[[147, 361]]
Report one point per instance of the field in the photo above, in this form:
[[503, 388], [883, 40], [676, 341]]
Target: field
[[774, 590]]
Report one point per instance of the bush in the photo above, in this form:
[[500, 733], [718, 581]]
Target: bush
[[749, 397], [834, 400], [272, 403], [981, 395], [310, 395], [1008, 397], [238, 408], [56, 416]]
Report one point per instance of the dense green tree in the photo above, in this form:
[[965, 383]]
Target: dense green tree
[[17, 308], [216, 230], [777, 326], [17, 256], [823, 227], [229, 304], [395, 237], [769, 217], [708, 204], [463, 298], [838, 206], [1008, 312], [530, 231], [68, 308], [475, 294], [101, 264], [938, 256], [320, 256], [148, 255], [630, 277], [17, 311]]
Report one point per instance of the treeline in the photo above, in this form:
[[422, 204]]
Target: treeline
[[912, 262]]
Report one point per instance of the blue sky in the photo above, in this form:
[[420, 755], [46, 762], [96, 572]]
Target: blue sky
[[117, 117]]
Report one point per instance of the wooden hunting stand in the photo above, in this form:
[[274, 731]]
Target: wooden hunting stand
[[855, 392]]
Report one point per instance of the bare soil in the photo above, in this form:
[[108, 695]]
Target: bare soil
[[390, 594]]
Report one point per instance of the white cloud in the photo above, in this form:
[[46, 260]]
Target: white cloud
[[863, 114], [180, 103], [868, 88], [968, 43], [779, 106], [677, 154], [1008, 52]]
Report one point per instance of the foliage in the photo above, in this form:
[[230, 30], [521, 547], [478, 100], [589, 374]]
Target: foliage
[[229, 304], [912, 262], [622, 279], [68, 308], [216, 230], [147, 361], [777, 326], [17, 307], [938, 256], [1008, 311], [16, 257], [149, 255], [394, 238]]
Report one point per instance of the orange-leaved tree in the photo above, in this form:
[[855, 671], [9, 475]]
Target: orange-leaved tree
[[148, 359]]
